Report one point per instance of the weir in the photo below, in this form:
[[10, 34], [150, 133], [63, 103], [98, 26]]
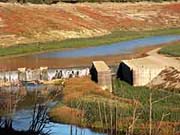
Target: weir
[[43, 73]]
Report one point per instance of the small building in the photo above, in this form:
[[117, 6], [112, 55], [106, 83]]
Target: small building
[[101, 74], [139, 72]]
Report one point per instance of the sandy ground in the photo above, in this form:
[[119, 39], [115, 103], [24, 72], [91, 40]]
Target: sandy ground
[[31, 23], [168, 78], [164, 60]]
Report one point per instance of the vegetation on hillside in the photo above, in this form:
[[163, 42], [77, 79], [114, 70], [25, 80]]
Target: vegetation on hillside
[[72, 1], [172, 50]]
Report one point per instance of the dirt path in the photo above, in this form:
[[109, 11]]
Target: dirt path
[[163, 59], [168, 78]]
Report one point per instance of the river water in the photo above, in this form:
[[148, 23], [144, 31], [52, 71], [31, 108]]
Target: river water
[[84, 56], [113, 49], [22, 119]]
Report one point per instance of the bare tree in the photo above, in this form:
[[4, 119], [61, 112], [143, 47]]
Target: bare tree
[[39, 119]]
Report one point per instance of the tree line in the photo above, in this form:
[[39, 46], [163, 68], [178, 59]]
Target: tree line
[[75, 1]]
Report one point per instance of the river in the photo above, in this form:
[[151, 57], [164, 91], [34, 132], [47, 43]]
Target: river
[[84, 56], [22, 118], [113, 49]]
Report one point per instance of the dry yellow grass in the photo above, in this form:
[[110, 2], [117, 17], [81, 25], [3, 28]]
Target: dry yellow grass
[[78, 87], [30, 23], [67, 115]]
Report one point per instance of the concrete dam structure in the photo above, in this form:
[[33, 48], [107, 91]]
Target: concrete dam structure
[[141, 71], [43, 73], [138, 74], [101, 74]]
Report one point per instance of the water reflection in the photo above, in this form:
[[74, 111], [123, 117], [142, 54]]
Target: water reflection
[[22, 118]]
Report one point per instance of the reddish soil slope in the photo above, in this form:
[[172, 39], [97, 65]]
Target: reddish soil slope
[[29, 23]]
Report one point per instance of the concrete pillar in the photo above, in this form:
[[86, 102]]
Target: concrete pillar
[[44, 73], [22, 74]]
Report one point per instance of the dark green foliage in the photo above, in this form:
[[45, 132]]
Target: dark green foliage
[[74, 1], [173, 50], [99, 106], [98, 110], [170, 103]]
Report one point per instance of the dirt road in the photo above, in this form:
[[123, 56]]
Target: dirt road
[[168, 78], [164, 60]]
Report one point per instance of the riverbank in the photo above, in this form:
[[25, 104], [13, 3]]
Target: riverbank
[[86, 105], [12, 63], [173, 50], [81, 102], [114, 37]]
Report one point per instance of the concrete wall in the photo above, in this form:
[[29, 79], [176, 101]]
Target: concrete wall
[[103, 78], [138, 76], [9, 76], [23, 74], [32, 75], [142, 76]]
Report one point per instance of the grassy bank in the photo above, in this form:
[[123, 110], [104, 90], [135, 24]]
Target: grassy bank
[[88, 106], [114, 37], [172, 50], [168, 105]]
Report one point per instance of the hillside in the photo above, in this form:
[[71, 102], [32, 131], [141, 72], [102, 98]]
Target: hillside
[[31, 23]]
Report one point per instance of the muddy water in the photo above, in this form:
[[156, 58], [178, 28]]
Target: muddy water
[[83, 57]]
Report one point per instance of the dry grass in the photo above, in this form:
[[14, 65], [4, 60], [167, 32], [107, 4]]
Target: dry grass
[[78, 87], [66, 115], [30, 23], [83, 90], [161, 128], [168, 79]]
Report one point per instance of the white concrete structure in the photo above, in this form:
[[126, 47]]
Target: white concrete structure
[[43, 73], [101, 74], [141, 71]]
